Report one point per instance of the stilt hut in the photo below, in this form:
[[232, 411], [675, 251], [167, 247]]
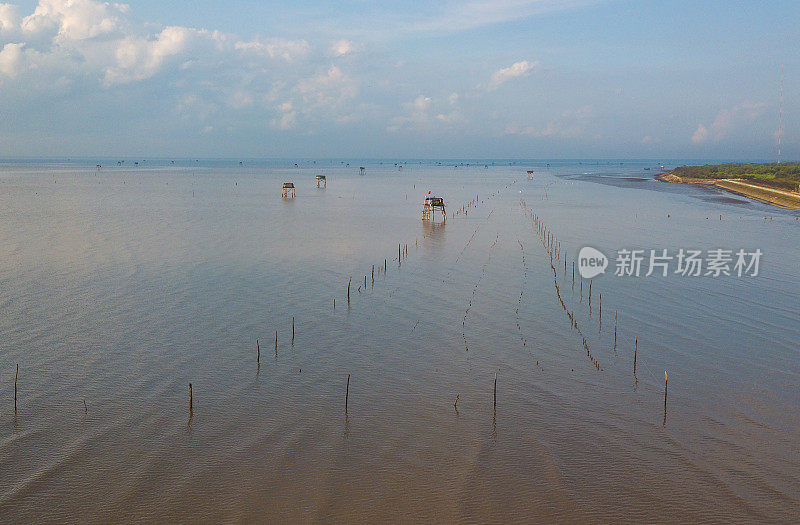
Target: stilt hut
[[429, 208], [362, 170], [530, 174], [288, 190], [321, 180]]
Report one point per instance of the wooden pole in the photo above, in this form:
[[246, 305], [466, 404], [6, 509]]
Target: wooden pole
[[190, 398], [347, 394], [276, 343], [384, 266], [373, 275], [258, 356], [635, 351], [665, 396], [348, 289], [615, 329], [495, 389], [456, 402], [292, 328], [16, 376]]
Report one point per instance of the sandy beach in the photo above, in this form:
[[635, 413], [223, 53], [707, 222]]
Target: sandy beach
[[774, 196]]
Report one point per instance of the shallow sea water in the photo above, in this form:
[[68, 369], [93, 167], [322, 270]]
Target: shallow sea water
[[121, 286]]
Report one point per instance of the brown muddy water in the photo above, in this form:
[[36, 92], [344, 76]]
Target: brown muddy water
[[122, 286]]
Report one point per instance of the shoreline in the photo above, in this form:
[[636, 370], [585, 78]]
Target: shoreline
[[768, 195]]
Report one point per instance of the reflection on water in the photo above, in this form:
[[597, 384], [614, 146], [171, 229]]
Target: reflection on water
[[122, 286]]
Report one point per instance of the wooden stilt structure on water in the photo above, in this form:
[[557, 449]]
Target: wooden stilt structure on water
[[321, 180], [429, 208], [288, 190]]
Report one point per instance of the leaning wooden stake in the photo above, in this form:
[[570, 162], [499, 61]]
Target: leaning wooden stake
[[635, 351], [348, 289], [456, 402], [495, 389], [190, 398], [347, 394], [601, 310]]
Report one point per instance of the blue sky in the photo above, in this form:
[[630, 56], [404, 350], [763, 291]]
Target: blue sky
[[506, 78]]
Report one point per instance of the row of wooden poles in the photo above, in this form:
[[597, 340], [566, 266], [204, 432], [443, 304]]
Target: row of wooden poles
[[346, 396], [402, 254], [549, 246], [553, 248]]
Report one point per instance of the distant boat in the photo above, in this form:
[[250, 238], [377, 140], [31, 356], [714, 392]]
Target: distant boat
[[647, 169]]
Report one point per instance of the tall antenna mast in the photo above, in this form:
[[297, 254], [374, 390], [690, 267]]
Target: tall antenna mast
[[780, 119]]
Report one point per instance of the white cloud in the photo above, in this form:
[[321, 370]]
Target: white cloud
[[11, 59], [277, 48], [726, 120], [286, 121], [74, 38], [9, 20], [700, 135], [425, 113], [420, 105], [460, 15], [329, 89], [74, 19], [288, 118], [515, 70], [573, 123], [80, 49], [344, 47], [139, 58]]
